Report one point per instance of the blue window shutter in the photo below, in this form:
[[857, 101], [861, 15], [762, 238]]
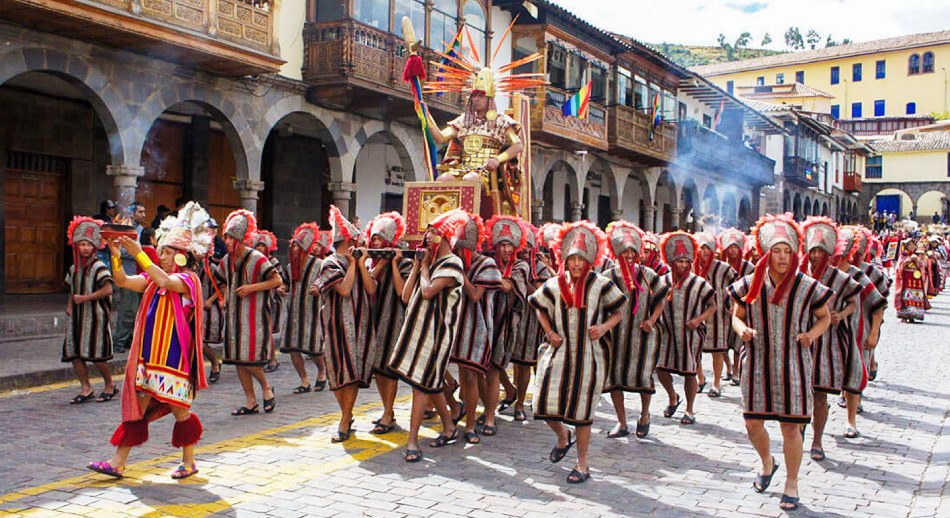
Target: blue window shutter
[[836, 111], [855, 110], [911, 108], [879, 108]]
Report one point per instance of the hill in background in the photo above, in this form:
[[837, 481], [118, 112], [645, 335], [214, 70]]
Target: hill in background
[[692, 55]]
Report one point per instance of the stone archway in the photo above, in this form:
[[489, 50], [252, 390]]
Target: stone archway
[[558, 193], [667, 212], [824, 209], [929, 203], [806, 207], [601, 197], [786, 202], [691, 204], [382, 167], [745, 214], [728, 210], [636, 199], [709, 213], [797, 206]]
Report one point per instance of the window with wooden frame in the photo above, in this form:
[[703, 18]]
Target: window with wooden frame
[[374, 13], [443, 23], [415, 10], [928, 63], [477, 24], [913, 64], [329, 10], [557, 65]]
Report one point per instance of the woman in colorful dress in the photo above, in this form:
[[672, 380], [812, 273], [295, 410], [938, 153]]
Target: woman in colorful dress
[[164, 371], [910, 293], [577, 309], [779, 313]]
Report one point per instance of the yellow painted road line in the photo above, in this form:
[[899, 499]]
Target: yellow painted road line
[[39, 389], [269, 478]]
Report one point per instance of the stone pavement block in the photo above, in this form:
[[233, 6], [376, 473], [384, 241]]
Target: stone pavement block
[[286, 513], [409, 510]]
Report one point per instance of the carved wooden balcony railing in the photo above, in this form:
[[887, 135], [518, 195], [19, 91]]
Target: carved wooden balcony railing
[[348, 63], [629, 135], [800, 171], [710, 150], [852, 181], [549, 124], [228, 37]]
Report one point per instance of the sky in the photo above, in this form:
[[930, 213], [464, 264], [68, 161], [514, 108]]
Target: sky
[[699, 22]]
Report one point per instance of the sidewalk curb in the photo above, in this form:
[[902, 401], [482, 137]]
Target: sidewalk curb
[[45, 377]]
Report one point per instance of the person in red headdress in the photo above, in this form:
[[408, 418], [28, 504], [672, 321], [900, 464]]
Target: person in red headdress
[[432, 295], [691, 303], [777, 365], [719, 275], [88, 310], [732, 245], [636, 339], [265, 242], [302, 334], [577, 309], [164, 371]]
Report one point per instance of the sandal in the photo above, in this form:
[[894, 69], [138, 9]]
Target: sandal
[[576, 477], [852, 433], [714, 393], [489, 431], [736, 381], [788, 503], [520, 416], [688, 419], [182, 472], [872, 375], [302, 389], [271, 367], [481, 420], [472, 438], [762, 481], [817, 454], [643, 430], [430, 414], [702, 386], [444, 440], [270, 404], [504, 404], [319, 385], [106, 469], [80, 399], [214, 376], [618, 432], [558, 453], [245, 410], [107, 396], [413, 455], [383, 429], [842, 403], [671, 409], [455, 420], [343, 436]]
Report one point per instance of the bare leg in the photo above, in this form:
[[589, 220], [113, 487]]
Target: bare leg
[[209, 355], [492, 379], [583, 445], [522, 380], [560, 431], [387, 388], [645, 408], [469, 379], [617, 397], [247, 383], [667, 381], [759, 437], [420, 402], [852, 400], [321, 362], [511, 393], [691, 388], [300, 365], [122, 452], [448, 427], [717, 360], [346, 398], [106, 373], [820, 418], [82, 372], [792, 446], [258, 374], [725, 358]]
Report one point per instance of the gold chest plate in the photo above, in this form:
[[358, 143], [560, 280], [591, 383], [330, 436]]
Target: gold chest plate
[[473, 144]]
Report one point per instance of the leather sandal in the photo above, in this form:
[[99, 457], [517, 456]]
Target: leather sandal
[[643, 429], [558, 453], [106, 469], [444, 440], [302, 389], [80, 399], [619, 432], [183, 472], [520, 416], [107, 396], [472, 438], [789, 503], [413, 455], [762, 482], [671, 409], [577, 477], [245, 410]]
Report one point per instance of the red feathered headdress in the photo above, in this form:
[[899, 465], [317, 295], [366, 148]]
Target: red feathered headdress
[[581, 238], [240, 224], [623, 235], [266, 238], [307, 236], [84, 228], [769, 231], [820, 232], [507, 229], [343, 230], [390, 226], [547, 235], [449, 225]]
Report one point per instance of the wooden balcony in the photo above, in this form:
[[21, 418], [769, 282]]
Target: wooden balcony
[[354, 67], [800, 171], [551, 126], [629, 136], [709, 150], [852, 182], [224, 37]]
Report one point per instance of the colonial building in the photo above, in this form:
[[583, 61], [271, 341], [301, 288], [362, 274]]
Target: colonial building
[[875, 87], [910, 174], [286, 107]]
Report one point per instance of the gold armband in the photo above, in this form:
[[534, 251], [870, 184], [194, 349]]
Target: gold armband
[[116, 263], [143, 260], [502, 157]]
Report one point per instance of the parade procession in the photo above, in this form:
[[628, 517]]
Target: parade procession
[[445, 271]]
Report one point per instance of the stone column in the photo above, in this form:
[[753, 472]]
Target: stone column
[[616, 214], [125, 178], [676, 214], [577, 211], [649, 218], [248, 191], [537, 212], [342, 192]]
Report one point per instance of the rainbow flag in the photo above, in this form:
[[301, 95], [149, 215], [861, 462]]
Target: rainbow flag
[[657, 116], [579, 104]]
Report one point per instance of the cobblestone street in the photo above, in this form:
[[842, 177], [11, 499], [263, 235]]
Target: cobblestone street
[[284, 465]]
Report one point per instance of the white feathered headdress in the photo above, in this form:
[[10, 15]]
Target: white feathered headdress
[[188, 232]]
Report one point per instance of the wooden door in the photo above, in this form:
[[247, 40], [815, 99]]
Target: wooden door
[[34, 205]]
